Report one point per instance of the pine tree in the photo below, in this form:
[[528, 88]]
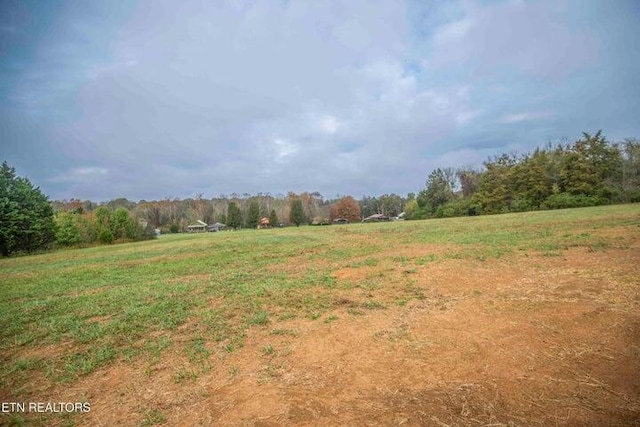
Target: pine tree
[[297, 215], [253, 216], [26, 216], [234, 216]]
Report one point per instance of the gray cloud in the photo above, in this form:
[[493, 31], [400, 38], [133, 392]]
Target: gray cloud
[[352, 98], [535, 38]]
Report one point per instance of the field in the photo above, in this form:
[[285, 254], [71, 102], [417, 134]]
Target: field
[[519, 319]]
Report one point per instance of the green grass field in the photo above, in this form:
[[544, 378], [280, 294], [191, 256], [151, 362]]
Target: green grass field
[[67, 313]]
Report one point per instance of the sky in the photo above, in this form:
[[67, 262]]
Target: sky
[[152, 99]]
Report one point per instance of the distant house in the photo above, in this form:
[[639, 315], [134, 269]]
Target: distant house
[[199, 227], [376, 218], [264, 223], [218, 226], [341, 221], [320, 221]]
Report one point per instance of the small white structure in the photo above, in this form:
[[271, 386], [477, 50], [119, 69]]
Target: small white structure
[[200, 227]]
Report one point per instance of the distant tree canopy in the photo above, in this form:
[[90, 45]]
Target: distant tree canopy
[[26, 215], [589, 172]]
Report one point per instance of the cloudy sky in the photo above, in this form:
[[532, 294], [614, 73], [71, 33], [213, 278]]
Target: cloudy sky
[[164, 98]]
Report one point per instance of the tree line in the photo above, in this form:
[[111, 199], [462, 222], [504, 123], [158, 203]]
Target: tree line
[[29, 222], [173, 215], [590, 171]]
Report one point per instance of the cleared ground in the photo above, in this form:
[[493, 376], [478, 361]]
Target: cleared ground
[[519, 319]]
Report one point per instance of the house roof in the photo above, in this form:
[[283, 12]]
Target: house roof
[[375, 216], [201, 223]]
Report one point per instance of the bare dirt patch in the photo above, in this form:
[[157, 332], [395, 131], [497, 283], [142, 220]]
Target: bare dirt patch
[[525, 340]]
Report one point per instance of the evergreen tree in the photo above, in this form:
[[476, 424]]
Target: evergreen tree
[[253, 215], [297, 215], [26, 216], [234, 216]]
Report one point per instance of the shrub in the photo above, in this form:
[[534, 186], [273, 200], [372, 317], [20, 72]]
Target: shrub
[[461, 207], [105, 236], [567, 200]]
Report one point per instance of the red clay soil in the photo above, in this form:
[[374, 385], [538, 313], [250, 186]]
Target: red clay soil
[[520, 341]]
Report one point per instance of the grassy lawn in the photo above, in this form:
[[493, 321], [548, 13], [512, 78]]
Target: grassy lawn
[[65, 314]]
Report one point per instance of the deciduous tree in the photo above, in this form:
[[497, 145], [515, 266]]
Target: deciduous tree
[[347, 208], [495, 192]]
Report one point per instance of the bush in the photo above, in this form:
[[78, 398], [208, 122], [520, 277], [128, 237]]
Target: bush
[[567, 200], [413, 210], [446, 211], [105, 236], [461, 207], [522, 205], [145, 233]]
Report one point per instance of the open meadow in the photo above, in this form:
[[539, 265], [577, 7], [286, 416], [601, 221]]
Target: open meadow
[[528, 319]]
